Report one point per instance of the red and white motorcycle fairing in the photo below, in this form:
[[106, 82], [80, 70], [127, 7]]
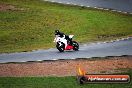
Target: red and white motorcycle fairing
[[63, 40]]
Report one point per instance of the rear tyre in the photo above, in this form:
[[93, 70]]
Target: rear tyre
[[75, 46], [60, 47]]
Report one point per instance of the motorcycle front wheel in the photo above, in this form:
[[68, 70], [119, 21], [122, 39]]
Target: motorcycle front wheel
[[60, 47]]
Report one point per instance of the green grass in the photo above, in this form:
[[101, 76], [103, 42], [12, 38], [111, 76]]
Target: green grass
[[33, 27], [54, 82]]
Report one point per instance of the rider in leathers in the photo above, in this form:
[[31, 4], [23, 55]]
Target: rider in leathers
[[60, 34]]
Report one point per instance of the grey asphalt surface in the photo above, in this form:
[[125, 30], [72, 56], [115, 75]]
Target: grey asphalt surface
[[120, 5], [117, 48]]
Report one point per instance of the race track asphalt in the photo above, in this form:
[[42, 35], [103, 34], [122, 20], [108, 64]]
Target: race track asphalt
[[119, 5], [100, 49]]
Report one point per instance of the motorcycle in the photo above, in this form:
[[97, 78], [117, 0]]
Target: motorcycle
[[62, 44]]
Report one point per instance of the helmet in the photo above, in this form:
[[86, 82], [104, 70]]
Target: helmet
[[57, 31]]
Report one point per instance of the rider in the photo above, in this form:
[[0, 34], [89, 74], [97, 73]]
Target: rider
[[60, 34]]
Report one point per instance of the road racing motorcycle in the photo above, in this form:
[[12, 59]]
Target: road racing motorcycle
[[63, 44]]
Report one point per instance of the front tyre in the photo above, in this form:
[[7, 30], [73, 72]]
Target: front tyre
[[60, 47], [75, 46]]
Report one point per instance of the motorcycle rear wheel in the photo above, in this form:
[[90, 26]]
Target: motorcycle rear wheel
[[75, 46]]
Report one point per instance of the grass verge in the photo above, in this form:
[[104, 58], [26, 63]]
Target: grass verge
[[54, 82], [28, 25]]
